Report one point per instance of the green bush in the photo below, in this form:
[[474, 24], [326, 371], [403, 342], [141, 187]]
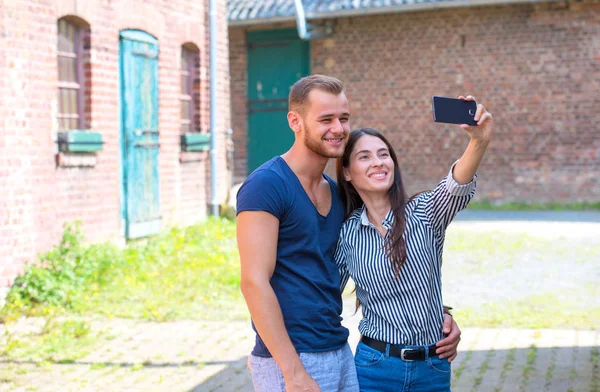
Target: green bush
[[178, 273], [62, 272]]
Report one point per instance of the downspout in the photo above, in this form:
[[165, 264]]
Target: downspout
[[212, 12], [308, 31]]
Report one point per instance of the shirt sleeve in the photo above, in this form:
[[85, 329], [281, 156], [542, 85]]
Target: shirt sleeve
[[262, 191], [340, 260], [446, 200]]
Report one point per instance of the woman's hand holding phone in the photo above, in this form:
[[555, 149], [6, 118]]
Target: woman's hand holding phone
[[482, 132]]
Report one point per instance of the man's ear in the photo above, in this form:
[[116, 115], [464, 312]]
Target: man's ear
[[294, 121]]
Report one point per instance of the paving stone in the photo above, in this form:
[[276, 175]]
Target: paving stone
[[495, 358], [558, 354], [516, 361]]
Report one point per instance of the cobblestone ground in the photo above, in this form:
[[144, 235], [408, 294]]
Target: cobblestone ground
[[202, 356], [211, 356]]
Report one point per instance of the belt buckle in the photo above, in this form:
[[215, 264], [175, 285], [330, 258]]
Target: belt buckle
[[402, 352]]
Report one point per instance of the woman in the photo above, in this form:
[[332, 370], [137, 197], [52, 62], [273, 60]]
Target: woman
[[392, 248]]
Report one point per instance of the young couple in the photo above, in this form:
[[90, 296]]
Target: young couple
[[301, 237]]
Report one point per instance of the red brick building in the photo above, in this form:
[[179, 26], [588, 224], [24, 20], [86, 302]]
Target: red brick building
[[535, 65], [131, 74]]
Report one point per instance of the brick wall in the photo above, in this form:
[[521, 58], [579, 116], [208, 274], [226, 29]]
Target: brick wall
[[36, 195], [535, 67]]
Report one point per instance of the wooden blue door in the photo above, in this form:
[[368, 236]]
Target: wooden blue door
[[139, 137], [276, 60]]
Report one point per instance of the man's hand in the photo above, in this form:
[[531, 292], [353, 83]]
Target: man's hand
[[447, 348], [301, 382]]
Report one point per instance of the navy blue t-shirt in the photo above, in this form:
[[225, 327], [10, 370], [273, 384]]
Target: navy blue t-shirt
[[306, 280]]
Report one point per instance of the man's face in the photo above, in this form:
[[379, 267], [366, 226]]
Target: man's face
[[325, 125]]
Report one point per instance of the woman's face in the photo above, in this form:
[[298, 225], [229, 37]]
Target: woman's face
[[370, 168]]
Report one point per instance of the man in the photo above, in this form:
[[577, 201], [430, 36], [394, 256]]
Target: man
[[289, 218]]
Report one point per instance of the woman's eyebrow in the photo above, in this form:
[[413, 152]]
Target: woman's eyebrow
[[383, 149]]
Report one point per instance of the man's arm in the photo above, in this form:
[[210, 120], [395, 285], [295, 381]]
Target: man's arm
[[257, 235], [448, 347]]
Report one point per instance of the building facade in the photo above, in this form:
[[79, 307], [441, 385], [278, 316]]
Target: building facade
[[104, 109], [534, 65]]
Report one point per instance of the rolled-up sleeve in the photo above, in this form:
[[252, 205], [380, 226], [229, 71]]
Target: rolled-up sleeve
[[446, 200]]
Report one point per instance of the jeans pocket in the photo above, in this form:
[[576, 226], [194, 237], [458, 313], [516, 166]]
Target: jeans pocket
[[266, 375], [254, 363], [439, 365], [366, 356]]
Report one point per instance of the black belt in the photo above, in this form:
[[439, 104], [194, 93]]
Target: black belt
[[406, 354]]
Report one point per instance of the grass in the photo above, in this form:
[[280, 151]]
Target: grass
[[508, 365], [491, 242], [60, 341], [481, 251], [547, 310], [527, 370], [550, 370], [458, 372], [482, 369], [184, 274], [193, 273], [519, 206], [98, 366], [594, 360], [470, 254], [190, 273]]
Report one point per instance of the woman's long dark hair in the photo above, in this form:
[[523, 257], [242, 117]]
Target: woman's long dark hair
[[395, 246]]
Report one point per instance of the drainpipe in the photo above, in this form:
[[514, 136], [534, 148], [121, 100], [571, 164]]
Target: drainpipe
[[308, 31], [212, 13]]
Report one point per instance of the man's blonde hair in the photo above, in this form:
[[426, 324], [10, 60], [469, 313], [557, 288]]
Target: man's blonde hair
[[299, 93]]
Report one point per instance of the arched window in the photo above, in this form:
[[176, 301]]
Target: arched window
[[190, 89], [73, 69]]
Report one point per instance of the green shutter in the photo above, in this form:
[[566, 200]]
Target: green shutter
[[193, 141], [79, 141]]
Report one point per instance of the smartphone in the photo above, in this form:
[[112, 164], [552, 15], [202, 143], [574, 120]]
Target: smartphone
[[454, 111]]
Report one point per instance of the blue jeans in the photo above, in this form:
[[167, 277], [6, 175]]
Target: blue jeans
[[380, 373], [333, 370]]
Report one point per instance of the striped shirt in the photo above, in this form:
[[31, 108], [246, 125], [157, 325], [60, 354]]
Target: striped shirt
[[406, 310]]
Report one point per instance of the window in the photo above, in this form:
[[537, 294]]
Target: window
[[190, 94], [70, 75]]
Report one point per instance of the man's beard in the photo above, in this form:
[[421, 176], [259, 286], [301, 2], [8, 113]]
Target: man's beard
[[317, 145]]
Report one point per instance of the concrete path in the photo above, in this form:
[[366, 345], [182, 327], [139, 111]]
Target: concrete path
[[211, 357]]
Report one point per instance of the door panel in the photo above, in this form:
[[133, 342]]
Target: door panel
[[140, 136], [276, 60]]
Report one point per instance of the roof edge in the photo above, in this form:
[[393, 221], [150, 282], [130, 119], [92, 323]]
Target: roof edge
[[258, 21], [382, 10]]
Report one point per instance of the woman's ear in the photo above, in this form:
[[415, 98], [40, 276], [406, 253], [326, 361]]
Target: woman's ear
[[347, 175]]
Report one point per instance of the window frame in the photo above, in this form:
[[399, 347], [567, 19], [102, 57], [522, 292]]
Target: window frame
[[78, 85], [191, 73]]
